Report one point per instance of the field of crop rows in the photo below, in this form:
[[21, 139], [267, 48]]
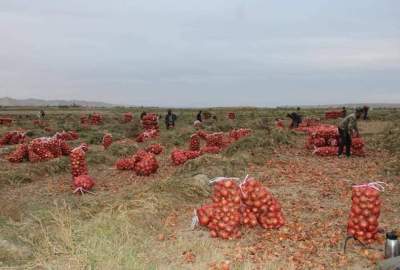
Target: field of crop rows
[[103, 189]]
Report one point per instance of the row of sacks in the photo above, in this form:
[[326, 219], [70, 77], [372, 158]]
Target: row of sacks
[[234, 206], [40, 149], [92, 119], [13, 137], [324, 141], [214, 144], [143, 162], [5, 121]]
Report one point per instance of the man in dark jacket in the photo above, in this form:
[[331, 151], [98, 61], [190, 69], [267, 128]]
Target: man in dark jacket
[[170, 119], [199, 116], [296, 119], [348, 127]]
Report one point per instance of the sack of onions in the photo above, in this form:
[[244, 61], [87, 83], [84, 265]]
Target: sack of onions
[[365, 211], [178, 157], [125, 163], [127, 117], [78, 161], [194, 144], [237, 134], [83, 183], [192, 154], [145, 163], [357, 143], [215, 139], [261, 202], [223, 217], [107, 140], [155, 149], [19, 154]]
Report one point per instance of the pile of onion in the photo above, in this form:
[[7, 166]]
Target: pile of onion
[[107, 140], [143, 163], [365, 211], [41, 149]]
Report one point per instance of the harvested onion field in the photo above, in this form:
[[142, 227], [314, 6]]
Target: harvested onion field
[[133, 221]]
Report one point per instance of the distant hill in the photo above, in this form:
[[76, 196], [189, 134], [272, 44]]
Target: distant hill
[[6, 101]]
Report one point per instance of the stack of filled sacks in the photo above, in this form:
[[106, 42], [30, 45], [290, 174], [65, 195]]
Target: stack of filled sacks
[[150, 126], [40, 149], [324, 141]]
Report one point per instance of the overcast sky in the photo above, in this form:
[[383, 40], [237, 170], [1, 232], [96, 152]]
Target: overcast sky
[[201, 53]]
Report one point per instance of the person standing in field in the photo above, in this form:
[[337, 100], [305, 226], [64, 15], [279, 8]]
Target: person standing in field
[[347, 128], [296, 119], [344, 112], [199, 117], [42, 114], [170, 119], [365, 112]]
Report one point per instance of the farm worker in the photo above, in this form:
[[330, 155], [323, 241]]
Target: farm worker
[[347, 127], [365, 112], [344, 112], [170, 119], [42, 114], [143, 114], [199, 117], [296, 119]]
